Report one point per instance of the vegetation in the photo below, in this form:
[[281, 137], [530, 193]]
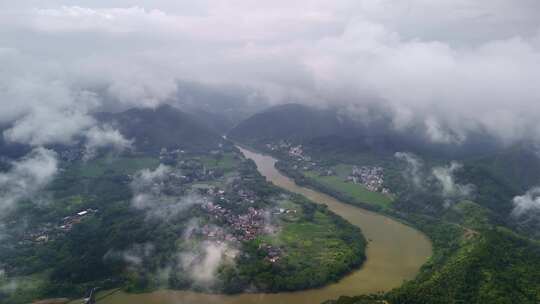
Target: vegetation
[[315, 246], [164, 127], [475, 258], [320, 247], [289, 121], [302, 180], [355, 191], [496, 267]]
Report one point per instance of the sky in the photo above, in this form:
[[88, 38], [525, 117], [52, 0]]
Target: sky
[[448, 65]]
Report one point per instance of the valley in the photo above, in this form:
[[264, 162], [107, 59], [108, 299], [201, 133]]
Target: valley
[[395, 253]]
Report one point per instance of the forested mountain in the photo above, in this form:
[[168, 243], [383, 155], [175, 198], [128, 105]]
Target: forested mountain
[[518, 165], [290, 121], [165, 126], [499, 267], [330, 129]]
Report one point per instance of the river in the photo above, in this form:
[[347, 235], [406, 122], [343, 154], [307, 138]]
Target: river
[[395, 253]]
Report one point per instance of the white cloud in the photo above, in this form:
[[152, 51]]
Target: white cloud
[[451, 189], [133, 256], [202, 262], [451, 66], [148, 187], [27, 177], [530, 201], [105, 137], [443, 175], [413, 170]]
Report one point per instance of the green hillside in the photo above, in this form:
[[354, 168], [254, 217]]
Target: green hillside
[[163, 127], [290, 121], [496, 267]]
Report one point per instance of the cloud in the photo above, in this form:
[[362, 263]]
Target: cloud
[[27, 177], [150, 187], [133, 256], [105, 137], [445, 177], [203, 263], [9, 287], [413, 170], [530, 201], [452, 67]]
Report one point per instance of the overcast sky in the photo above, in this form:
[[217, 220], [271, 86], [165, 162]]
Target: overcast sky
[[463, 64]]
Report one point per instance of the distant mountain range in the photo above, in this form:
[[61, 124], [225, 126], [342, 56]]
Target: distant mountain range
[[322, 127]]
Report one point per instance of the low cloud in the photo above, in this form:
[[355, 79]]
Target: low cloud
[[202, 262], [413, 170], [451, 68], [149, 189], [27, 177], [445, 177], [105, 137], [133, 256], [530, 201]]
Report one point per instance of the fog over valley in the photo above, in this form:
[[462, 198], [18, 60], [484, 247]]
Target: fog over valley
[[234, 151]]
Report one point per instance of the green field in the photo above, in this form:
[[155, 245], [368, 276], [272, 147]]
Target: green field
[[355, 191], [121, 165], [315, 242], [22, 289], [318, 247], [226, 162]]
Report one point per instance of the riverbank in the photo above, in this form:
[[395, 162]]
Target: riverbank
[[395, 254]]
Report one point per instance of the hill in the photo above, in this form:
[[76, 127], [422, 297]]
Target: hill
[[162, 127], [289, 122], [497, 267], [518, 165], [329, 130]]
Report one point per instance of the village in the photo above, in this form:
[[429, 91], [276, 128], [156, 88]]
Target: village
[[232, 207], [48, 231], [370, 177], [241, 226]]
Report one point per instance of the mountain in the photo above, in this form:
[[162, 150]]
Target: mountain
[[223, 106], [332, 129], [518, 165], [216, 122], [496, 267], [165, 126], [292, 122]]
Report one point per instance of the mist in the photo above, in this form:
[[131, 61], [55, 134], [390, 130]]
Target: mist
[[452, 68], [27, 177]]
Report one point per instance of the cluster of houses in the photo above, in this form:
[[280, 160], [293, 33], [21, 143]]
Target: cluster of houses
[[273, 253], [245, 226], [69, 221], [280, 146], [41, 235], [370, 177], [295, 153], [49, 230]]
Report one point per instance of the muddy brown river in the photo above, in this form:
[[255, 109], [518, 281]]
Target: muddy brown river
[[394, 254]]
